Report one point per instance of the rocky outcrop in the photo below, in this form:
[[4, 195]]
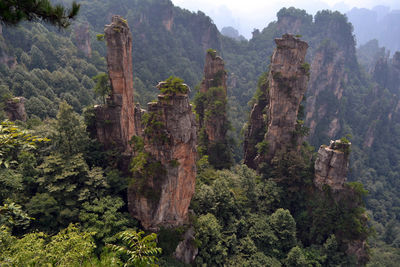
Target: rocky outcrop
[[256, 127], [15, 109], [214, 76], [332, 164], [115, 123], [214, 72], [186, 251], [327, 79], [163, 188], [286, 85], [211, 108], [288, 79], [82, 39]]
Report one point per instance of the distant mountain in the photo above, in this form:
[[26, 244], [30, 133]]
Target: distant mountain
[[379, 23]]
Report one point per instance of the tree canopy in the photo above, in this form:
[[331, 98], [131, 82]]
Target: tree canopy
[[14, 11]]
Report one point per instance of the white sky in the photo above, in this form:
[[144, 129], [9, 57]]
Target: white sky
[[245, 15]]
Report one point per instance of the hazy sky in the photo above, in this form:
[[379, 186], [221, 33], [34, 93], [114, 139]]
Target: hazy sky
[[246, 15]]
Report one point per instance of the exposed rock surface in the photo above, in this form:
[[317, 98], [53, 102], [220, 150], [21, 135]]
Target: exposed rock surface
[[186, 250], [214, 76], [288, 79], [332, 164], [256, 129], [115, 121], [170, 138], [214, 72], [82, 38], [275, 113], [15, 109]]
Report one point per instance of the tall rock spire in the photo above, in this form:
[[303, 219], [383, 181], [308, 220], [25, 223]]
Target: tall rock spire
[[211, 108], [275, 113], [164, 162], [115, 121]]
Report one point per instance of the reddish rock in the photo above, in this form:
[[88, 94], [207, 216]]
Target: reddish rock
[[15, 109], [273, 119], [288, 79], [170, 139], [115, 122]]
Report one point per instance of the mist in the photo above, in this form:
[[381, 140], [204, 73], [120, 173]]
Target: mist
[[248, 15]]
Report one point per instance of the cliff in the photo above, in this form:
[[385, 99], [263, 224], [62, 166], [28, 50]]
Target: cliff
[[332, 164], [163, 187], [115, 123], [15, 109], [287, 83], [211, 110]]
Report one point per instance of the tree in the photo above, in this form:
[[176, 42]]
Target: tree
[[102, 87], [14, 11], [140, 250]]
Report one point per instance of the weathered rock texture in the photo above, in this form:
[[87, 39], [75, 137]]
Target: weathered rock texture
[[170, 138], [278, 108], [214, 72], [15, 109], [256, 127], [186, 251], [214, 76], [115, 122], [331, 167], [82, 39], [288, 82], [332, 164]]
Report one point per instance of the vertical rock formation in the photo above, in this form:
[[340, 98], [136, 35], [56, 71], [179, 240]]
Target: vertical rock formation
[[332, 164], [214, 72], [15, 109], [115, 122], [288, 82], [214, 76], [163, 188], [211, 109], [278, 107], [331, 168], [82, 38]]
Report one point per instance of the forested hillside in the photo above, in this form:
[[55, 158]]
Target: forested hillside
[[57, 179]]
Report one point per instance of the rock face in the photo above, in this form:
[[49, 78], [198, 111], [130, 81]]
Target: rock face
[[214, 72], [170, 138], [15, 109], [332, 164], [186, 251], [256, 128], [281, 97], [215, 76], [82, 38], [115, 122], [288, 82]]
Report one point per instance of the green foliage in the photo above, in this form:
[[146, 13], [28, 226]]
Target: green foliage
[[154, 127], [102, 87], [13, 141], [70, 247], [173, 85], [12, 12], [306, 68], [212, 52], [141, 251], [211, 108], [12, 216]]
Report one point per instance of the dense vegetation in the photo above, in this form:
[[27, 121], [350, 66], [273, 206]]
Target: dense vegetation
[[57, 175]]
